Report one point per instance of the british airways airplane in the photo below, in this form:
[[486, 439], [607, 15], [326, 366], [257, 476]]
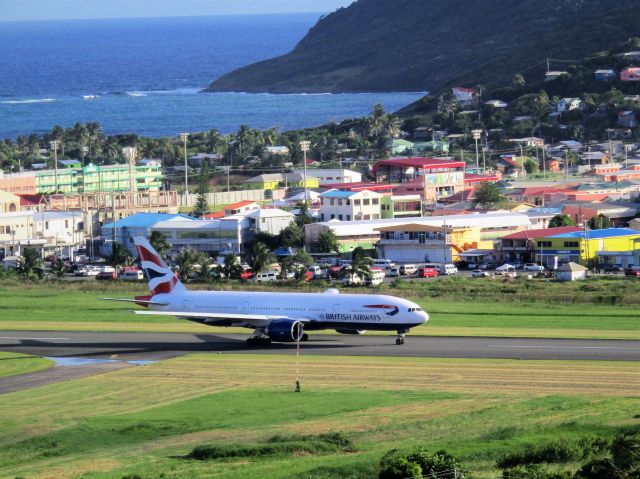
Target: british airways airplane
[[281, 317]]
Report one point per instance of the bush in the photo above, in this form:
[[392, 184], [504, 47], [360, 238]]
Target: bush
[[419, 463], [533, 471], [556, 453]]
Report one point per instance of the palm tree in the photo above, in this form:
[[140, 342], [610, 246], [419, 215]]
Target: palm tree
[[59, 268], [120, 256], [231, 268], [360, 266], [30, 264], [186, 260], [159, 242], [262, 257], [204, 265]]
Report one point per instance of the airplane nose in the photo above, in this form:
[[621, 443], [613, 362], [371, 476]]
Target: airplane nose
[[425, 317]]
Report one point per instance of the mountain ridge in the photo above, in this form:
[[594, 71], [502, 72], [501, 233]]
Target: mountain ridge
[[421, 45]]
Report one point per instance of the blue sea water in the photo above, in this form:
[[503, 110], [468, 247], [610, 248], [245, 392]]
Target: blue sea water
[[145, 76]]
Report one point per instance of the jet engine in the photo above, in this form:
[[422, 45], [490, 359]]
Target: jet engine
[[351, 331], [285, 330]]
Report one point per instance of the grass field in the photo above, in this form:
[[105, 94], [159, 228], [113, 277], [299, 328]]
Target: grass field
[[75, 306], [144, 420], [12, 364]]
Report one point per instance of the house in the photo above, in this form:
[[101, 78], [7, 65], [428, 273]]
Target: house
[[530, 141], [605, 75], [276, 150], [554, 75], [432, 178], [271, 181], [510, 165], [627, 119], [631, 74], [241, 207], [465, 96], [568, 104], [200, 158], [399, 146], [420, 147], [269, 220], [350, 205], [330, 176], [9, 203], [150, 162], [50, 232], [594, 158], [422, 133], [398, 206], [571, 272]]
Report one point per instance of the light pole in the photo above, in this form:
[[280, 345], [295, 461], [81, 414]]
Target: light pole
[[476, 136], [304, 146], [54, 144], [184, 137], [131, 153]]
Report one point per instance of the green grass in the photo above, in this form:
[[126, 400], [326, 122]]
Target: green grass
[[241, 410], [12, 364], [76, 306]]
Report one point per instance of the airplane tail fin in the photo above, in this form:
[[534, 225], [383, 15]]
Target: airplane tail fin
[[159, 276]]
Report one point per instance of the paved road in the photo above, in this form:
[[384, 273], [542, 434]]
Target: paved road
[[155, 346]]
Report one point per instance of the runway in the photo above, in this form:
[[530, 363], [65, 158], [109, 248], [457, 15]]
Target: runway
[[157, 346]]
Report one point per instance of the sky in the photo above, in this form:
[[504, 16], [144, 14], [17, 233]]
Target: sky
[[15, 10]]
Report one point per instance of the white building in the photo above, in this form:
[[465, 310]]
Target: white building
[[215, 237], [351, 234], [50, 232], [350, 205], [328, 176], [269, 220], [568, 104]]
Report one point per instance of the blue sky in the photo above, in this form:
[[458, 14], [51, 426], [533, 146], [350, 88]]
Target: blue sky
[[11, 10]]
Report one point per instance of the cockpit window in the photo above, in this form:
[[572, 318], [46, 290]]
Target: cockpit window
[[412, 310]]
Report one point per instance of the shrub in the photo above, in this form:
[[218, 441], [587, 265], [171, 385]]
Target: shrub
[[420, 463], [533, 471], [555, 453]]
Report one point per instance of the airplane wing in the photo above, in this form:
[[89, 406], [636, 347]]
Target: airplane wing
[[255, 320]]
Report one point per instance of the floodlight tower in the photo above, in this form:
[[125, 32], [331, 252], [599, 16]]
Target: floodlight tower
[[304, 146], [55, 144], [476, 136], [130, 153]]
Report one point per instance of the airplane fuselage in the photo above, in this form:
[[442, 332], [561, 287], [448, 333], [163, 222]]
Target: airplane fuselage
[[317, 311]]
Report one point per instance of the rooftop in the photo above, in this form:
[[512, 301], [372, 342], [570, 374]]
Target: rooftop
[[541, 233], [599, 234], [421, 162], [146, 220]]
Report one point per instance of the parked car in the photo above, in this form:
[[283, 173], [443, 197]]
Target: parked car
[[91, 271], [246, 274], [447, 269], [633, 271], [479, 273], [107, 275], [533, 267], [317, 272], [335, 271], [383, 263], [377, 277], [392, 272], [266, 277], [517, 265], [427, 272], [486, 265], [611, 268], [135, 275], [408, 269]]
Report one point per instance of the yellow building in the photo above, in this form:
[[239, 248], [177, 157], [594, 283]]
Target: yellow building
[[9, 203], [615, 246]]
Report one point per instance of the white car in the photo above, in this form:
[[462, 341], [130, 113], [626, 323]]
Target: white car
[[266, 277], [533, 267], [392, 272], [478, 273]]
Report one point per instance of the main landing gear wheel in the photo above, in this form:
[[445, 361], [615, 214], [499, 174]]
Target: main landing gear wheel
[[257, 341], [304, 337]]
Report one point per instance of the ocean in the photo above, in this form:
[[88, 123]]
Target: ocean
[[145, 75]]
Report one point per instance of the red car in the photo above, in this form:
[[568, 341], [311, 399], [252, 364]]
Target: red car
[[427, 273], [632, 272], [246, 275]]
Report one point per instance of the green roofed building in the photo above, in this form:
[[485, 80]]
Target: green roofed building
[[94, 179]]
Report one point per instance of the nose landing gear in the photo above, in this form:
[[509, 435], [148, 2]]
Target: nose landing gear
[[400, 338]]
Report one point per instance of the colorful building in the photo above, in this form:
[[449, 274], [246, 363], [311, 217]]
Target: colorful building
[[90, 179], [619, 246]]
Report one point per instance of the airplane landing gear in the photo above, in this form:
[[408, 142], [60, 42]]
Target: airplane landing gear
[[258, 341], [400, 339], [304, 337], [258, 338]]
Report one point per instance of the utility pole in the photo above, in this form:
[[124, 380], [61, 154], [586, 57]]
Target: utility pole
[[484, 160], [304, 146], [54, 146], [544, 161], [566, 165], [476, 136], [184, 137]]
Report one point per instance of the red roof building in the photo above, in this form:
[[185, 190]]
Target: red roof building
[[432, 178], [521, 246]]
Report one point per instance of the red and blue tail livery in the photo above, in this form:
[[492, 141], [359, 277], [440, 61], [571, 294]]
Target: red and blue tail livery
[[159, 276]]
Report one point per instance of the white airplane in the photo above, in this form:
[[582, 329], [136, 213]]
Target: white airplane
[[281, 317]]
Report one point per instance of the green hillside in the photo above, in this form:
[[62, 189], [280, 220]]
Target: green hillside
[[416, 45]]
